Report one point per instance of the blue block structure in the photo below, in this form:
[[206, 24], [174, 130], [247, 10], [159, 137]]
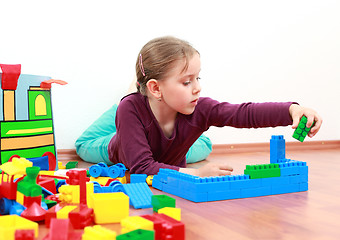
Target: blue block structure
[[293, 178]]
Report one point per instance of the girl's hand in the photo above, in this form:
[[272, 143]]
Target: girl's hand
[[296, 112], [209, 170]]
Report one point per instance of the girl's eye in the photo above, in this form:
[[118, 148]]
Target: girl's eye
[[186, 83]]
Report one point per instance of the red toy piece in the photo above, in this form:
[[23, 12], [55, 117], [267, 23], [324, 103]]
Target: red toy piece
[[47, 183], [24, 234], [61, 229], [166, 228], [48, 83], [34, 212], [52, 161], [10, 76], [81, 217]]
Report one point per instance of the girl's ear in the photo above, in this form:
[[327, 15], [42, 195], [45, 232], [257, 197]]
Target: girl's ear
[[154, 89]]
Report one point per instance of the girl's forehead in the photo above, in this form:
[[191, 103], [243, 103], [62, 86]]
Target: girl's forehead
[[183, 68]]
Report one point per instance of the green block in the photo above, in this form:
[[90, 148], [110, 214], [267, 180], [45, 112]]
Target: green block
[[139, 234], [50, 203], [71, 165], [301, 131], [263, 171], [161, 201], [28, 185]]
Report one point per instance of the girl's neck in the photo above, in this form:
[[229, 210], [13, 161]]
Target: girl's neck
[[165, 116]]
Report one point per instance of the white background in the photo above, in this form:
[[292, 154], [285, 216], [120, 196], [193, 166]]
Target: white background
[[250, 50]]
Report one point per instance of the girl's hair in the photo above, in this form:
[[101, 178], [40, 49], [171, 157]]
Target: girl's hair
[[158, 56]]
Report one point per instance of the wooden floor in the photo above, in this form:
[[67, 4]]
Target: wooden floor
[[314, 214]]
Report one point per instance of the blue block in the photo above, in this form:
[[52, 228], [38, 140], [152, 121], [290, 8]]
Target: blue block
[[156, 183], [139, 194], [224, 195], [243, 181], [277, 148], [41, 162], [189, 195], [303, 178], [303, 186], [255, 192], [274, 181], [289, 188], [138, 178]]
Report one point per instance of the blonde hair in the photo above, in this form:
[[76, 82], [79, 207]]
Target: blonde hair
[[158, 56]]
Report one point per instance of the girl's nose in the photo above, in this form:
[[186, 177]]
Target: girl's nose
[[197, 87]]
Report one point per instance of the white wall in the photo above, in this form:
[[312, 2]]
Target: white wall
[[250, 50]]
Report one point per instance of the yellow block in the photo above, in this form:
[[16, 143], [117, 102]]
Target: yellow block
[[63, 213], [71, 194], [60, 165], [17, 166], [135, 222], [10, 223], [20, 198], [171, 212], [109, 207], [103, 180], [98, 232], [149, 180]]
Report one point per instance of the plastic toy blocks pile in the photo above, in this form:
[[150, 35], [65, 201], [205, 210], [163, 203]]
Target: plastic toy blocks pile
[[281, 176]]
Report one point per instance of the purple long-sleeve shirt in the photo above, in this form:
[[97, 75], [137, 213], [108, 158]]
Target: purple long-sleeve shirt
[[141, 145]]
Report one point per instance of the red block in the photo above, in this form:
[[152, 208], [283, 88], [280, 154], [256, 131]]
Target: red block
[[166, 228], [24, 234], [81, 217]]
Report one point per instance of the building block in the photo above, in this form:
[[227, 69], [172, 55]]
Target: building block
[[110, 207], [139, 194], [283, 176], [98, 232], [71, 193], [10, 223], [81, 216], [149, 180], [301, 131], [17, 166], [139, 234], [162, 201], [61, 166], [175, 213], [277, 148], [166, 227], [63, 213], [21, 234], [67, 232], [105, 181], [72, 164], [263, 170], [28, 186], [102, 170], [138, 178], [135, 222]]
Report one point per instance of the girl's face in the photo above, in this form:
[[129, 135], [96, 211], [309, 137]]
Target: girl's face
[[181, 90]]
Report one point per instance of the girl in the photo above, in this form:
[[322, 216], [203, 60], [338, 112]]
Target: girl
[[157, 124]]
